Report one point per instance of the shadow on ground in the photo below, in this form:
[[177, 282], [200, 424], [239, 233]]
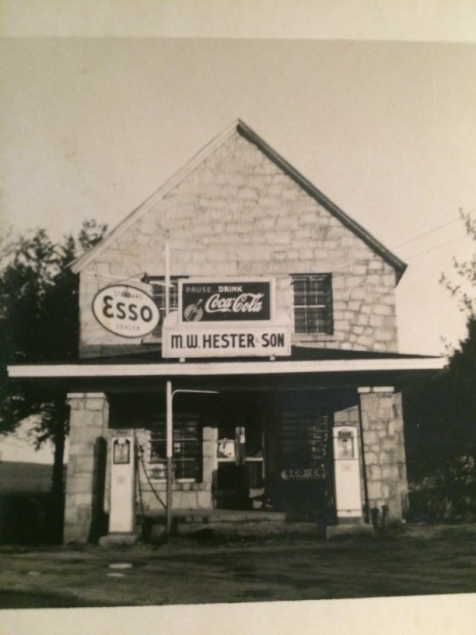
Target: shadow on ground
[[417, 561], [38, 600]]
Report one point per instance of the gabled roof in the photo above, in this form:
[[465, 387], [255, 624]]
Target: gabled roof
[[247, 133]]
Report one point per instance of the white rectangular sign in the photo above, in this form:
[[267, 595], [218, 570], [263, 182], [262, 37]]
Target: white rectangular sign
[[259, 341]]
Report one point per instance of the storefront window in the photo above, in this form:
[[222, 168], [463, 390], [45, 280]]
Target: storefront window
[[187, 447], [313, 303]]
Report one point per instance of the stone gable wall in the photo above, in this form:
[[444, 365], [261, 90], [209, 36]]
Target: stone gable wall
[[238, 214]]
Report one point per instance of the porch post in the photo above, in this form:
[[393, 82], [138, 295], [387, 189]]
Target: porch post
[[89, 420], [384, 450]]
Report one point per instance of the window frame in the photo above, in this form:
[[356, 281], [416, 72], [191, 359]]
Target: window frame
[[328, 329], [173, 306], [157, 437]]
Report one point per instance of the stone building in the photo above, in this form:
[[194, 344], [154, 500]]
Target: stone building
[[244, 307]]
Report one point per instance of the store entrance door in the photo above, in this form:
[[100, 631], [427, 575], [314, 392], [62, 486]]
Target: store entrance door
[[240, 454], [304, 487]]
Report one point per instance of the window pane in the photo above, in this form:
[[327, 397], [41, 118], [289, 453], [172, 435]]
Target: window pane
[[313, 303], [187, 446], [300, 320], [158, 293]]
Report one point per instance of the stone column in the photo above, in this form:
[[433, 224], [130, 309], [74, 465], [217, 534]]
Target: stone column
[[384, 450], [210, 461], [89, 419]]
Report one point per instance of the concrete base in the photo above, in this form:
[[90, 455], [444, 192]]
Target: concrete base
[[246, 516], [226, 522], [184, 516], [348, 529], [115, 540]]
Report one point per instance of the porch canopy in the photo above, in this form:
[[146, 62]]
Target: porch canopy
[[305, 368]]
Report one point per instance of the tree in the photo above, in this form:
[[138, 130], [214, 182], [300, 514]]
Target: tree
[[441, 411], [39, 323], [463, 288]]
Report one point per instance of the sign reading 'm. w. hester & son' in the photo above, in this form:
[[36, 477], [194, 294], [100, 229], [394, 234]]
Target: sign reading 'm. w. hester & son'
[[251, 342], [225, 318]]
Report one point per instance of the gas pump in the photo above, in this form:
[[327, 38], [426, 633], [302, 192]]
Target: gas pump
[[123, 485], [347, 472]]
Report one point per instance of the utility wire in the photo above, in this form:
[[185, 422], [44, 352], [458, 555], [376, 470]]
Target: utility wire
[[435, 247], [343, 265], [413, 238], [425, 233]]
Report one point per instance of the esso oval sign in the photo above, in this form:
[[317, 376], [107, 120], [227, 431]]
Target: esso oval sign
[[125, 310]]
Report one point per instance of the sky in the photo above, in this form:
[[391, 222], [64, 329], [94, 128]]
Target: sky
[[90, 127], [19, 446]]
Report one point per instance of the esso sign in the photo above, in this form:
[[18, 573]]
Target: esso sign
[[125, 311]]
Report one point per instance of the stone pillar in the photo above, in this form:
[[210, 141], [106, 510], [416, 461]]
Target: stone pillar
[[384, 450], [210, 460], [89, 419]]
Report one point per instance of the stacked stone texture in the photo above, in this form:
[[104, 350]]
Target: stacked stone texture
[[237, 214], [384, 451], [88, 421]]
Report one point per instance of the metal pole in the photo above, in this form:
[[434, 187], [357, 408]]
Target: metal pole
[[169, 454], [362, 461], [168, 401], [167, 274]]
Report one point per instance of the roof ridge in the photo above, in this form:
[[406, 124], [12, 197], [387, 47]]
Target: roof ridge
[[324, 200], [250, 135]]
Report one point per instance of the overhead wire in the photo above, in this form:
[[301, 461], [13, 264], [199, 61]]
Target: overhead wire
[[434, 248], [413, 238], [343, 265], [425, 233]]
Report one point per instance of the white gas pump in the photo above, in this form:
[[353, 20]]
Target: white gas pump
[[347, 472], [123, 485]]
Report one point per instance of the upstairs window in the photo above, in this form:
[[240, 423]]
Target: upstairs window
[[158, 293], [313, 303]]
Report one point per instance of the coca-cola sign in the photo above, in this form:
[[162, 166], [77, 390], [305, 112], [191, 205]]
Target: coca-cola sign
[[212, 301]]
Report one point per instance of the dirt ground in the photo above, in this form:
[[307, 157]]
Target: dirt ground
[[209, 568]]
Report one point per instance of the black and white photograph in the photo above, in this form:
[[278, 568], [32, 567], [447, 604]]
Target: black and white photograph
[[237, 319]]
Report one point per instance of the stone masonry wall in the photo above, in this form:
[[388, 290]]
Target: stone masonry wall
[[384, 450], [88, 422], [238, 214]]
